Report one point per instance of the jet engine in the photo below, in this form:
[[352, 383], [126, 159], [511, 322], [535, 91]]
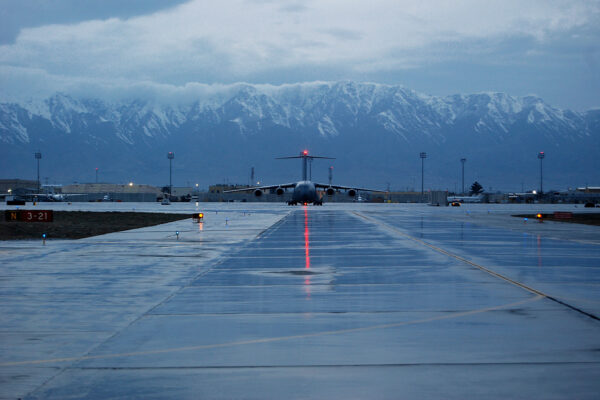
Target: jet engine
[[330, 191], [279, 191], [258, 192], [351, 192]]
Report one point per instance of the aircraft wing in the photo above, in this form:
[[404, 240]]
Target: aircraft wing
[[248, 189], [337, 187]]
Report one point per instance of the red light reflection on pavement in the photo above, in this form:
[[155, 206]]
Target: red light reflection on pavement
[[306, 239], [306, 253]]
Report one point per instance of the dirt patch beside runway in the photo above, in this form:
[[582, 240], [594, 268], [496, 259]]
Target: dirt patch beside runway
[[81, 224], [580, 218]]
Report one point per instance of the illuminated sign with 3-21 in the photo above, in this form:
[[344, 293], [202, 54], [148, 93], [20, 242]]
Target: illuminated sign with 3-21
[[28, 215]]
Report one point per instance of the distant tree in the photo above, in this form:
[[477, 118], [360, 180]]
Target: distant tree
[[166, 189], [476, 188]]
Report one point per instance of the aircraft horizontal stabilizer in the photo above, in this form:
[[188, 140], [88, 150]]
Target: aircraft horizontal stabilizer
[[284, 158]]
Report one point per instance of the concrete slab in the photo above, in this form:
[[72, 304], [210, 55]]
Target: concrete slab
[[339, 301], [63, 299], [284, 340], [461, 381], [564, 269]]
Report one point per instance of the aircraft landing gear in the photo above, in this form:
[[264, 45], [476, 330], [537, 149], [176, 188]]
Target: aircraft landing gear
[[295, 203]]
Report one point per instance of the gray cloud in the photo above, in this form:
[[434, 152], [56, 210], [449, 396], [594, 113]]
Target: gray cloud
[[259, 41], [17, 15], [345, 34], [294, 7]]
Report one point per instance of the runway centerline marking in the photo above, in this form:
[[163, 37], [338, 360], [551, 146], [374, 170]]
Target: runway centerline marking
[[274, 339], [478, 266]]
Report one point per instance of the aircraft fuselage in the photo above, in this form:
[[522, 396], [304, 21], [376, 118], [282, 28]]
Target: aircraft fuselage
[[305, 192]]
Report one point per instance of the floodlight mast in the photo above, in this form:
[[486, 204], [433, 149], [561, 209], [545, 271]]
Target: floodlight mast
[[423, 156], [38, 156], [170, 156], [463, 160], [541, 156]]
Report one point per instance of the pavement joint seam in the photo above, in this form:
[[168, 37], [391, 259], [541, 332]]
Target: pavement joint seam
[[275, 339]]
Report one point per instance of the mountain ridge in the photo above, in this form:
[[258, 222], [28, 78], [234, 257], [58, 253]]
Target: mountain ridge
[[364, 121]]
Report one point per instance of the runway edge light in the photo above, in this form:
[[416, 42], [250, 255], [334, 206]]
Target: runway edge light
[[198, 217]]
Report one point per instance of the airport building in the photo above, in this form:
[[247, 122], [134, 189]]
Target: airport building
[[580, 195], [14, 185], [183, 193], [589, 189], [401, 197], [112, 192]]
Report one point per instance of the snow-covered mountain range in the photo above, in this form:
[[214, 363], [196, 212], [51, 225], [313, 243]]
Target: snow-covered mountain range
[[375, 131]]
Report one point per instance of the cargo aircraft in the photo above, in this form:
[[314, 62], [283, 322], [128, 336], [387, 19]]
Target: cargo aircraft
[[305, 191]]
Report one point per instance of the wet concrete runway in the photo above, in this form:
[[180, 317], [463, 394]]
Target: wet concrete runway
[[355, 302]]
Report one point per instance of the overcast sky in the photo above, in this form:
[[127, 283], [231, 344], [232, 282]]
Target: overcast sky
[[549, 48]]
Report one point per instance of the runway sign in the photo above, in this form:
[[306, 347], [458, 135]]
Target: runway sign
[[28, 215]]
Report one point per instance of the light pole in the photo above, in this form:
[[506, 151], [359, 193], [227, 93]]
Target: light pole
[[463, 161], [38, 156], [330, 175], [170, 156], [96, 174], [423, 156], [541, 156]]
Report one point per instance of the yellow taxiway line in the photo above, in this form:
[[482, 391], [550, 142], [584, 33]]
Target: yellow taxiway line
[[478, 266]]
